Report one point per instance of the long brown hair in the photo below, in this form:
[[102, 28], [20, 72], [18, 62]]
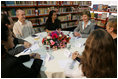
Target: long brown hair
[[99, 58]]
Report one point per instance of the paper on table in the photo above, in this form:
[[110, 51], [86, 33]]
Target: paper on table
[[29, 50], [67, 53], [63, 63], [78, 45]]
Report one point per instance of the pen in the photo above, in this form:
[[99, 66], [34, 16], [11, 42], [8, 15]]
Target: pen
[[26, 50]]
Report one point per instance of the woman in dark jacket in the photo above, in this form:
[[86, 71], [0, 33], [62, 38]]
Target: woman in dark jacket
[[52, 22], [12, 67], [6, 20]]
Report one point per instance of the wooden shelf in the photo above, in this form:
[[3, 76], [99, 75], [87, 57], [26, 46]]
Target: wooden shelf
[[103, 11], [27, 6], [67, 5], [61, 22], [68, 21], [74, 26], [99, 19], [32, 16], [3, 6], [46, 6]]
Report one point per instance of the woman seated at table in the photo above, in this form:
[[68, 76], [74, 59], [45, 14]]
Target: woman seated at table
[[52, 22], [99, 58], [6, 20], [111, 28], [12, 67], [84, 27]]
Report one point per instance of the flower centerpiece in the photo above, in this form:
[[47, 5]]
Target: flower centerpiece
[[56, 40]]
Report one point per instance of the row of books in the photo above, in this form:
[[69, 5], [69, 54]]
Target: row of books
[[42, 20], [99, 16], [69, 17], [20, 3], [67, 25], [82, 3], [101, 7], [113, 9], [28, 12], [62, 10]]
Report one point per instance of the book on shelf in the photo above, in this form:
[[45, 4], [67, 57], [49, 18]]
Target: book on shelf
[[113, 8], [92, 15], [28, 12], [70, 24], [46, 10], [100, 7], [100, 23], [65, 18], [112, 16], [62, 18], [64, 25], [99, 16], [34, 21], [20, 3], [95, 15], [12, 12], [84, 9], [85, 3], [75, 17], [47, 2], [42, 20], [104, 16], [104, 7], [95, 7]]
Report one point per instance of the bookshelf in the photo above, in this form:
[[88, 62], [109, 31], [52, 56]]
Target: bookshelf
[[101, 13], [37, 11]]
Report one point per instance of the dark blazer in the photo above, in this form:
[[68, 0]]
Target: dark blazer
[[12, 67]]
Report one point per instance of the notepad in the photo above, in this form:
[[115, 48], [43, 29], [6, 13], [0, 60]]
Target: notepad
[[29, 50]]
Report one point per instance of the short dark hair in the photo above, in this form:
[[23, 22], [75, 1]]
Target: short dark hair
[[99, 58], [87, 13]]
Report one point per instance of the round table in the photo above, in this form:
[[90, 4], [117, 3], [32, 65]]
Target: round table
[[56, 66]]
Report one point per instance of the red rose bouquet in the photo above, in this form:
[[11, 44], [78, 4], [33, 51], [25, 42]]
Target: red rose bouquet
[[56, 40]]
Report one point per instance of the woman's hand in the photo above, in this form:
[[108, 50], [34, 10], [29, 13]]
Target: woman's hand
[[27, 44], [74, 55], [77, 34], [35, 55]]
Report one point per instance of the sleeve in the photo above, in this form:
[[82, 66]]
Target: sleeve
[[37, 65], [32, 30], [77, 29], [16, 50], [59, 24], [23, 58], [18, 41], [16, 32], [47, 25], [86, 35]]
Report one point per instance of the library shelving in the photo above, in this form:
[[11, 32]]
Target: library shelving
[[37, 11], [101, 13]]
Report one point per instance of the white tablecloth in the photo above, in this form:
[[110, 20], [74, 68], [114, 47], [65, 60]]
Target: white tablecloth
[[56, 66]]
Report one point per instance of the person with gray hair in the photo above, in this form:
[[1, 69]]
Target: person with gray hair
[[22, 28], [111, 28]]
